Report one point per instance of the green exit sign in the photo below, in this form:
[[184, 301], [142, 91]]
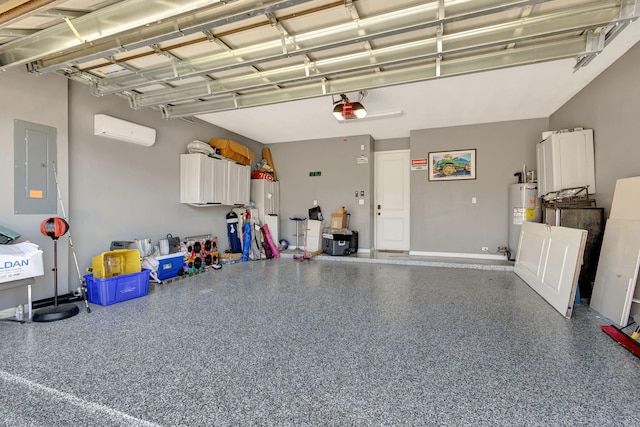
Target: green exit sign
[[316, 173]]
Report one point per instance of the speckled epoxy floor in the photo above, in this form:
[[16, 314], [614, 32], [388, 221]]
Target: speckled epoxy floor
[[320, 343]]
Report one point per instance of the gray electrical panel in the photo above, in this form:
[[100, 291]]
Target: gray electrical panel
[[34, 152]]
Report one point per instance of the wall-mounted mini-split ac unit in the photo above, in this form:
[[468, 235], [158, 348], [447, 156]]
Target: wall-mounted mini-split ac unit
[[123, 130]]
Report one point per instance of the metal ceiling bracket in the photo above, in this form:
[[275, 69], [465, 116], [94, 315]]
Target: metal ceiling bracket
[[73, 29], [209, 35], [441, 10], [351, 9], [30, 68], [175, 70], [595, 42], [439, 33], [306, 65], [164, 112], [94, 89], [629, 9], [273, 21], [131, 99]]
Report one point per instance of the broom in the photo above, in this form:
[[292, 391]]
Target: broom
[[628, 342]]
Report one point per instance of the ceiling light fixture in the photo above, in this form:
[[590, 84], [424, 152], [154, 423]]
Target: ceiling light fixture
[[347, 110]]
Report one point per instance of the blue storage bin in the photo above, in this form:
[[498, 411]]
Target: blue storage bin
[[117, 289], [170, 265]]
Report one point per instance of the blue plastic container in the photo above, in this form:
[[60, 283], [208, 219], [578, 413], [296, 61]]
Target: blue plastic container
[[170, 265], [117, 289]]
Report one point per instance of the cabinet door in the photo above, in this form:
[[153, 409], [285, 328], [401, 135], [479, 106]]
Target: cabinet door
[[219, 180], [266, 196], [195, 178], [208, 193], [233, 190], [244, 182], [257, 197], [274, 198], [238, 183]]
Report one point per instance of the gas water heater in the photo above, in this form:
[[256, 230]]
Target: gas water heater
[[524, 205]]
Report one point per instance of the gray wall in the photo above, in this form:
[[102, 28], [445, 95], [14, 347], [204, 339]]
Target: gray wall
[[392, 144], [443, 219], [341, 176], [42, 100], [122, 191], [609, 106]]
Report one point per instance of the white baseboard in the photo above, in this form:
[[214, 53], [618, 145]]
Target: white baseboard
[[498, 257], [364, 251]]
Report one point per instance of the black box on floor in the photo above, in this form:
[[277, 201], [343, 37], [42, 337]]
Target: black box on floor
[[336, 244]]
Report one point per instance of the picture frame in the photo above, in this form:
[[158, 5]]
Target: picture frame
[[452, 165]]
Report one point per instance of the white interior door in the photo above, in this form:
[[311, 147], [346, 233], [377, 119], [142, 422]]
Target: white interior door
[[392, 207], [617, 272], [549, 260]]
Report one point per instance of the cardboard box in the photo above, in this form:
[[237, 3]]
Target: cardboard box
[[228, 258], [339, 218], [20, 261], [233, 150]]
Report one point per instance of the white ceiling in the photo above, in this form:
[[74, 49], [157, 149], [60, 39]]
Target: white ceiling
[[269, 69], [525, 92]]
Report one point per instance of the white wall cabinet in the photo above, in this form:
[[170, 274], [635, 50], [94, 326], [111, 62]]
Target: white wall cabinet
[[211, 181], [266, 196], [565, 160], [238, 177]]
